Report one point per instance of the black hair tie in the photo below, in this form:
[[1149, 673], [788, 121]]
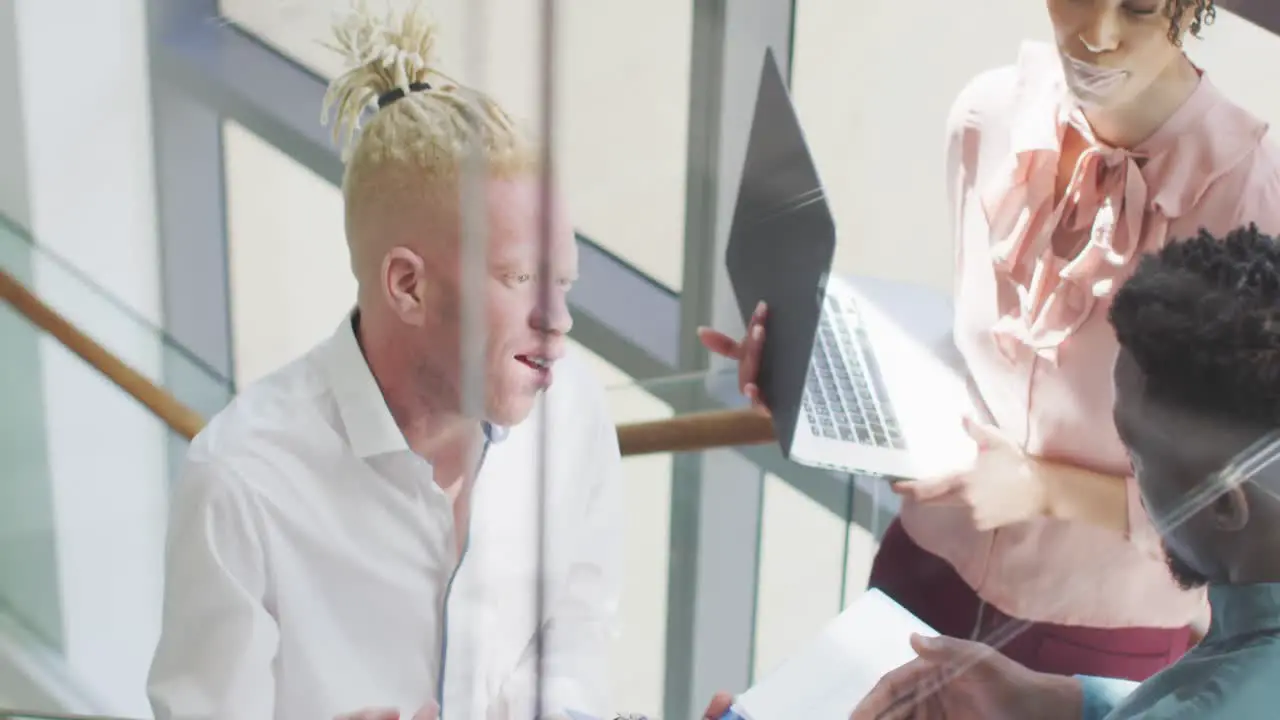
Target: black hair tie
[[387, 98]]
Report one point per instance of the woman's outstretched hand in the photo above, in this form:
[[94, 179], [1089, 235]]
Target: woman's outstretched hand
[[746, 351]]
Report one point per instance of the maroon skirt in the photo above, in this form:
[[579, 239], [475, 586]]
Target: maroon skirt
[[933, 591]]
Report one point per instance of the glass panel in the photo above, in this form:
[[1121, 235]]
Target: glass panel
[[623, 91], [83, 502], [861, 544], [290, 273], [795, 599], [881, 160], [114, 325], [639, 655], [837, 550]]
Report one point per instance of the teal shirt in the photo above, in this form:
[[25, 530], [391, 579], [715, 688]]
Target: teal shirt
[[1233, 673]]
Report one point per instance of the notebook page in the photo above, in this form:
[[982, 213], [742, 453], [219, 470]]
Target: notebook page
[[827, 678]]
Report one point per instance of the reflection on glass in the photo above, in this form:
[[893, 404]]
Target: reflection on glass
[[794, 599]]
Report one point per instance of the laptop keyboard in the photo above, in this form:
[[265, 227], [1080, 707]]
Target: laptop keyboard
[[845, 396]]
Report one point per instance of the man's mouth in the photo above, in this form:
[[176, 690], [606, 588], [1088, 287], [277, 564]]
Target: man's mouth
[[535, 361], [540, 365]]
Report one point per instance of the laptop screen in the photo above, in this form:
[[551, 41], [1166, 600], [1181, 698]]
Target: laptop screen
[[780, 247]]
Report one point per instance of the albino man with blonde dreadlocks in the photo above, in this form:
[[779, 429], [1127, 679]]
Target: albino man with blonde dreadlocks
[[366, 528]]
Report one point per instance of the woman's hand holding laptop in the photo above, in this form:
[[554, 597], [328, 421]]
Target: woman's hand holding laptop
[[746, 352]]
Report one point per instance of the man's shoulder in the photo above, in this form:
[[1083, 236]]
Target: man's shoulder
[[284, 414], [1239, 684]]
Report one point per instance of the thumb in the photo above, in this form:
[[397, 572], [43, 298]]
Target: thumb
[[938, 648], [957, 654], [986, 436]]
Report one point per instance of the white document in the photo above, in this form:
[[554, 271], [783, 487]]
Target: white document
[[834, 671]]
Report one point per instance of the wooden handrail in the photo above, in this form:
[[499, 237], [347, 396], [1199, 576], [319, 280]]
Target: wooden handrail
[[693, 432], [686, 433], [182, 419]]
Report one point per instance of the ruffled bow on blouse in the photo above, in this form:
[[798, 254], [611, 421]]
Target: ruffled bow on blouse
[[1119, 202]]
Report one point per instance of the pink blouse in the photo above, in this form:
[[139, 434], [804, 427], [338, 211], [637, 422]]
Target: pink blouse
[[1033, 327]]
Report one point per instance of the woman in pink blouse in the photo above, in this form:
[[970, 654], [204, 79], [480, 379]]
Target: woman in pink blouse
[[1061, 169]]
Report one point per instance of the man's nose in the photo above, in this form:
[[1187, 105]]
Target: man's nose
[[554, 317]]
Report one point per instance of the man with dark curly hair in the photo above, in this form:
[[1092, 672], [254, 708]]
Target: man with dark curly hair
[[1197, 404]]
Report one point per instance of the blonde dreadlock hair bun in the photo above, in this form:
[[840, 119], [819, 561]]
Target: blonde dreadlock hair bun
[[434, 125]]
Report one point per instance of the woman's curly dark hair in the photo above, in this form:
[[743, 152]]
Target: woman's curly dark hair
[[1201, 318], [1204, 13]]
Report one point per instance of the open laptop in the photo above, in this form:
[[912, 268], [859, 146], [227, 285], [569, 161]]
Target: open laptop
[[861, 375]]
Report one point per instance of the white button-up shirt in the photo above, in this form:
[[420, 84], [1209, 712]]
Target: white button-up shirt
[[311, 560]]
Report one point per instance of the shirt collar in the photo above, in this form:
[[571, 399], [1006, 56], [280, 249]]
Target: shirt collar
[[371, 429], [1243, 609]]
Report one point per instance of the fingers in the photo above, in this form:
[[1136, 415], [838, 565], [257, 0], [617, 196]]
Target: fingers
[[952, 657], [747, 353], [947, 649], [752, 349], [719, 343], [720, 705], [752, 391], [372, 714]]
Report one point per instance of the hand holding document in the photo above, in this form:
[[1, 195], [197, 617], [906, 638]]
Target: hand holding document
[[835, 670]]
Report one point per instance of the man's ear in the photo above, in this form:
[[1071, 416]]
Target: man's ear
[[404, 284], [1231, 510]]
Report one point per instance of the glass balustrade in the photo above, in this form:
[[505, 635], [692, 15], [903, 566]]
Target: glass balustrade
[[127, 333]]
